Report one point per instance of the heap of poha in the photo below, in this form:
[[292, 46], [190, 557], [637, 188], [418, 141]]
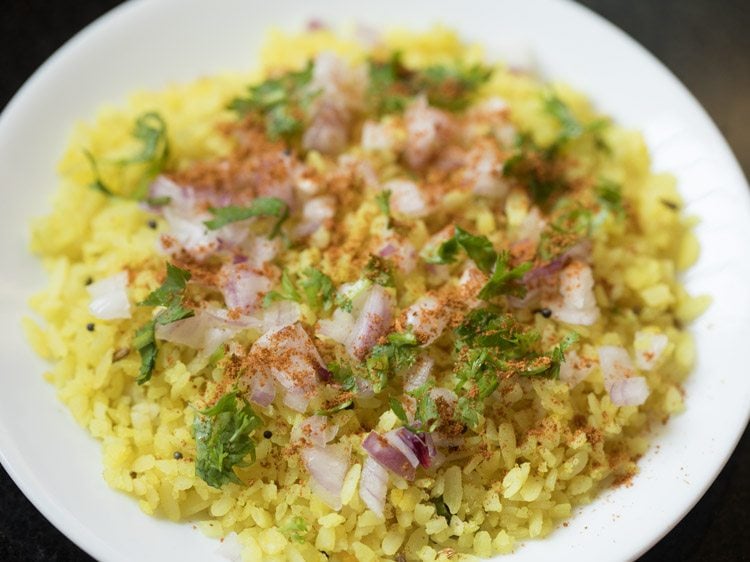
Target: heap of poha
[[387, 303]]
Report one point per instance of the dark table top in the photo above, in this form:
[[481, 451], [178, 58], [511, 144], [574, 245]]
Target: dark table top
[[706, 43]]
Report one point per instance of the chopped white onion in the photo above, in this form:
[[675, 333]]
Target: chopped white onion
[[203, 332], [575, 368], [483, 173], [372, 322], [629, 392], [338, 327], [427, 130], [620, 380], [230, 548], [315, 430], [289, 355], [418, 374], [327, 467], [242, 287], [379, 136], [649, 347], [315, 213], [373, 485], [400, 251], [109, 297], [427, 317], [576, 303], [407, 198]]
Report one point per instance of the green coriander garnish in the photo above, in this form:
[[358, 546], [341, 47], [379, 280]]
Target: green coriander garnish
[[260, 207], [223, 439], [170, 296]]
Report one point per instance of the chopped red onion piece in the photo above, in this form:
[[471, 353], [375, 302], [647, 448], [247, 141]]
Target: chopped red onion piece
[[388, 456], [400, 252], [421, 444], [483, 172], [395, 439]]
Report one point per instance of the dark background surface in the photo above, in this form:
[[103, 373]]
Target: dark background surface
[[706, 43]]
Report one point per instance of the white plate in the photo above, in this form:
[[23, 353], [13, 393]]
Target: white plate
[[150, 43]]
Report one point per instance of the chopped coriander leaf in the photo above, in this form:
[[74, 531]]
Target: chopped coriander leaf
[[98, 184], [505, 280], [223, 439], [450, 87], [379, 271], [170, 291], [468, 411], [158, 201], [344, 405], [383, 201], [313, 287], [478, 248], [571, 224], [169, 295], [490, 346], [260, 207], [281, 123], [557, 355], [570, 126], [318, 289], [344, 376], [426, 411], [536, 170], [145, 342], [287, 292], [398, 409], [151, 130], [344, 303], [441, 509], [388, 90], [489, 327], [609, 195], [295, 528], [281, 100], [217, 355], [398, 353]]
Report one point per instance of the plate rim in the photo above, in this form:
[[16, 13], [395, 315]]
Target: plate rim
[[76, 530]]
